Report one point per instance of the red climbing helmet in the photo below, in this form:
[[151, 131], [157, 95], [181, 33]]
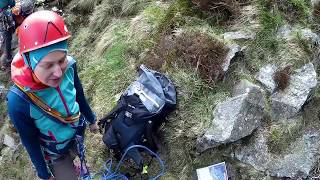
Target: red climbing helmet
[[41, 29]]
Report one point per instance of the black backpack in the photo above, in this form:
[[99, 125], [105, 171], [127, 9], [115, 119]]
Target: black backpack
[[139, 112]]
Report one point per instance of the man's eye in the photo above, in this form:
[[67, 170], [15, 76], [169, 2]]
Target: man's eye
[[62, 61]]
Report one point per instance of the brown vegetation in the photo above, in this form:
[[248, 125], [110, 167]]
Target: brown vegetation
[[202, 53], [282, 77], [222, 10], [198, 51]]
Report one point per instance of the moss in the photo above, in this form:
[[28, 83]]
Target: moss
[[282, 135]]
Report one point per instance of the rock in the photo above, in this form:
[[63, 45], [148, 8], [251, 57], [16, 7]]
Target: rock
[[9, 141], [2, 90], [233, 50], [265, 77], [287, 103], [234, 119], [309, 36], [238, 35], [256, 153], [301, 160], [244, 87], [314, 3], [298, 162], [285, 32]]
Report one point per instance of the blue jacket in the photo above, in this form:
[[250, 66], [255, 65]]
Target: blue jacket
[[6, 3], [52, 137]]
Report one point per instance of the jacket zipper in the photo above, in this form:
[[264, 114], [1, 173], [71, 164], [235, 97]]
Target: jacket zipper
[[63, 101]]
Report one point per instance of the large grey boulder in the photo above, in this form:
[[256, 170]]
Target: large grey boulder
[[265, 77], [287, 103], [299, 160], [302, 158], [234, 119]]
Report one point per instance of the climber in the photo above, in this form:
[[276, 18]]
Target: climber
[[46, 103]]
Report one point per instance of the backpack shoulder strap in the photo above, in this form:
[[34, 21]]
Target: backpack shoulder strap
[[26, 98], [121, 104]]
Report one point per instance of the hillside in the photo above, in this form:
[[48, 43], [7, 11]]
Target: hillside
[[246, 74]]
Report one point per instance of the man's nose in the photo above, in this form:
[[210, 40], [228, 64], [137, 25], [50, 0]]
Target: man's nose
[[57, 71]]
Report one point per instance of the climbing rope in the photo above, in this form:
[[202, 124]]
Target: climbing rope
[[106, 172], [109, 174]]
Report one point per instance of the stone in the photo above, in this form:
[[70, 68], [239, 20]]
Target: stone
[[287, 103], [265, 77], [238, 35], [297, 162], [233, 50], [309, 36], [244, 86], [9, 141], [2, 89], [234, 119], [256, 153], [285, 32]]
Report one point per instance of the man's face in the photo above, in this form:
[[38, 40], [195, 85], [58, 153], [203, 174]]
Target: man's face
[[51, 68]]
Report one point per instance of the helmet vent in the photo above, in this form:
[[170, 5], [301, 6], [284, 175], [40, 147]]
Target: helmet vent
[[53, 29]]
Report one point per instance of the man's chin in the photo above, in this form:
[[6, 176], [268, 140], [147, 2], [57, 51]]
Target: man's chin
[[54, 83]]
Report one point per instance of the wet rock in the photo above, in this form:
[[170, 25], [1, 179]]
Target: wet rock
[[265, 77], [287, 103], [238, 35], [234, 119]]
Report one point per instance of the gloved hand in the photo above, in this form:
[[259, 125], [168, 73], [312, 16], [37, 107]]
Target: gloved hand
[[94, 128]]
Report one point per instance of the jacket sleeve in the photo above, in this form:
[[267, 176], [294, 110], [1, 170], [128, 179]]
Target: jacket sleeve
[[19, 114], [83, 104], [12, 3]]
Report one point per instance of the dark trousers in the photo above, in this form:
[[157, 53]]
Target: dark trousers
[[7, 53]]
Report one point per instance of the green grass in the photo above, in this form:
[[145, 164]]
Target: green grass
[[303, 10], [282, 135], [20, 168]]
